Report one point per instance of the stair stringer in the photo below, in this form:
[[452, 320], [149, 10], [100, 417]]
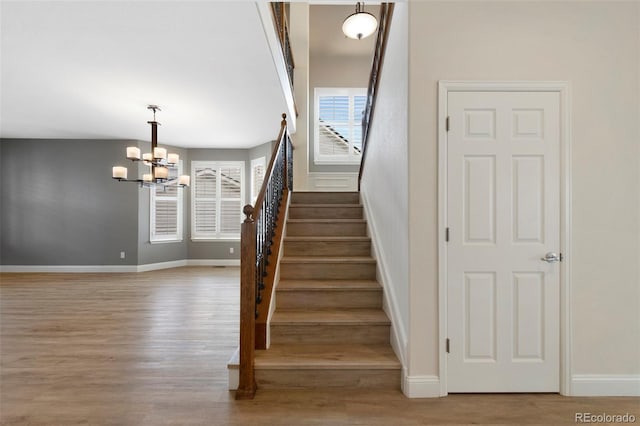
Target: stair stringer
[[276, 275], [398, 337]]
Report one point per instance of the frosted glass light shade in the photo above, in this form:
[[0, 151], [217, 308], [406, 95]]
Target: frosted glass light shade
[[184, 180], [161, 172], [173, 158], [119, 172], [159, 153], [133, 153], [359, 25]]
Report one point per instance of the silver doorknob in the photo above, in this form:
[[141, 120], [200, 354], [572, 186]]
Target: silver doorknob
[[552, 257]]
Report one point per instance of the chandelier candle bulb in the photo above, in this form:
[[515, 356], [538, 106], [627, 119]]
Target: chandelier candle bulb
[[119, 172], [173, 158], [161, 173], [160, 153], [184, 180], [133, 153], [147, 177]]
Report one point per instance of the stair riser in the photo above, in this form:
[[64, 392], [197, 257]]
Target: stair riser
[[331, 378], [328, 271], [330, 334], [329, 299], [326, 229], [327, 248], [325, 212], [325, 198]]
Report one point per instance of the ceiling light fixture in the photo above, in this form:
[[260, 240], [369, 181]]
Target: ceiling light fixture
[[359, 25], [158, 159]]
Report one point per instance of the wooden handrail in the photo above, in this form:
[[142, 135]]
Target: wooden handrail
[[257, 234], [386, 12], [282, 28], [269, 174]]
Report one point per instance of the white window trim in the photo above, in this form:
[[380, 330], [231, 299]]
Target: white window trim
[[162, 239], [216, 164], [261, 161], [319, 159]]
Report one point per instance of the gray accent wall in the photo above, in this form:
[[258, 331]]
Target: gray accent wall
[[61, 207], [265, 150]]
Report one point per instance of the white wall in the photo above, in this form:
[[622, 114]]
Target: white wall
[[299, 38], [596, 47], [385, 180]]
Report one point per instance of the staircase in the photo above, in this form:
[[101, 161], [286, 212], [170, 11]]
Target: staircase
[[328, 328]]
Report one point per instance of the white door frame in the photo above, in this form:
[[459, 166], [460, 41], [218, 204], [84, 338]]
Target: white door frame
[[562, 88]]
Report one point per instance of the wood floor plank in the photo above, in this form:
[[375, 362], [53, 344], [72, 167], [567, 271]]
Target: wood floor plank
[[151, 349]]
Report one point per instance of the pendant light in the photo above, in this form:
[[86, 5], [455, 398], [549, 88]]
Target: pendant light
[[359, 25]]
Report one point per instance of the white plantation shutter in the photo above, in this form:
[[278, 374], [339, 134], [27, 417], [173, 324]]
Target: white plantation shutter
[[217, 197], [338, 124], [230, 199], [166, 211], [205, 205], [258, 168], [166, 217]]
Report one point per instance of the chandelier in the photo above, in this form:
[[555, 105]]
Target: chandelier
[[158, 160], [359, 25]]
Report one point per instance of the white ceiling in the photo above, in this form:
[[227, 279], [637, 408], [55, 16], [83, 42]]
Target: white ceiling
[[89, 69]]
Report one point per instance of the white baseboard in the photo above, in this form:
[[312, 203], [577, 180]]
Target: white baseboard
[[161, 265], [420, 386], [68, 268], [117, 268], [605, 385], [213, 262], [390, 305]]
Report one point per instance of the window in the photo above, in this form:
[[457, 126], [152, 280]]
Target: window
[[258, 167], [338, 125], [166, 211], [217, 196]]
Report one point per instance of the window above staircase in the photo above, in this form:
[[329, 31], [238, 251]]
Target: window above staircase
[[338, 125]]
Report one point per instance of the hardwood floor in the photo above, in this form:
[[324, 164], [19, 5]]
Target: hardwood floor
[[151, 349]]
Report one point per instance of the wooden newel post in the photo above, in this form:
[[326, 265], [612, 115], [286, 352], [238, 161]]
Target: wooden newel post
[[247, 380]]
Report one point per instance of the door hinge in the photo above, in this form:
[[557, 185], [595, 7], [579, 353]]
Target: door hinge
[[446, 235], [447, 345], [447, 124]]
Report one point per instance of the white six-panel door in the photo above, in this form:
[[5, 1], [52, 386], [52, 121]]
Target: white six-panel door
[[503, 215]]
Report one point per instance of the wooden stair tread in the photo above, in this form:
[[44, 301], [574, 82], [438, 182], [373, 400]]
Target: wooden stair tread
[[322, 285], [328, 220], [323, 259], [326, 192], [326, 205], [342, 356], [330, 317], [321, 238]]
